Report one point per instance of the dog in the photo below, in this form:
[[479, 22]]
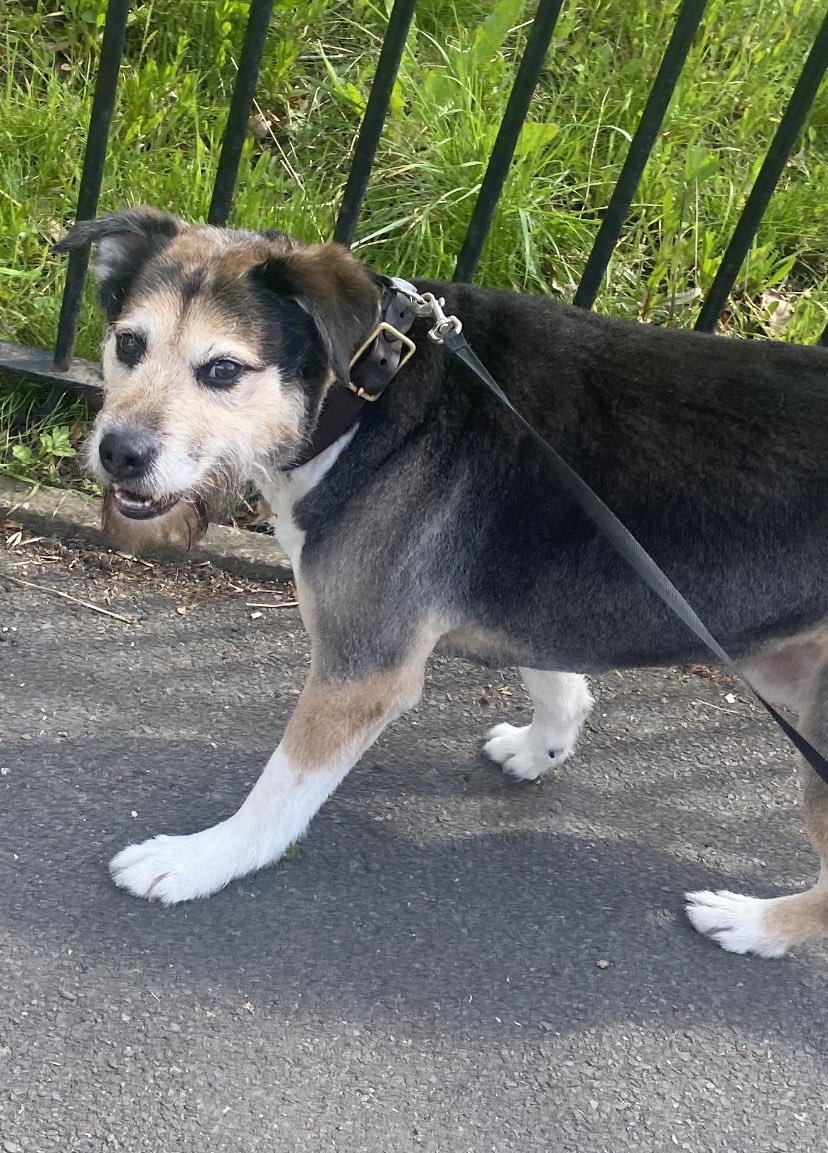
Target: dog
[[431, 520]]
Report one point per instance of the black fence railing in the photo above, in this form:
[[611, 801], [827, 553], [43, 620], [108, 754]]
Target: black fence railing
[[59, 367]]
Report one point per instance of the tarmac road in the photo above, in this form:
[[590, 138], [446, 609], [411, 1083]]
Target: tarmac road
[[452, 961]]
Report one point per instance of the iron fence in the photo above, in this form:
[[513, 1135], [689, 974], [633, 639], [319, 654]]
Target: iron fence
[[60, 367]]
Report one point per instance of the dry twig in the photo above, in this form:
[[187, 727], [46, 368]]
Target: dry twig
[[280, 605], [67, 597]]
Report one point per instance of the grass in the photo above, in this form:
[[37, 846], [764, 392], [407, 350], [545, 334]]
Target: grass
[[39, 434], [451, 92]]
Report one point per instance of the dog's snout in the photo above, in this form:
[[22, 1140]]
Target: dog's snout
[[128, 454]]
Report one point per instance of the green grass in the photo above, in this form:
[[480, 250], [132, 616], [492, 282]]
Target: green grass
[[39, 434], [452, 90]]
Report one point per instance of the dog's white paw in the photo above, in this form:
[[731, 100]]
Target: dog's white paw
[[739, 924], [173, 869], [518, 751]]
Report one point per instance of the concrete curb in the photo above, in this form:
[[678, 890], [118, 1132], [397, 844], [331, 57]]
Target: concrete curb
[[61, 512]]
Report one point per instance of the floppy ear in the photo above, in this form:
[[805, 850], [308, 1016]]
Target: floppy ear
[[125, 242], [334, 289]]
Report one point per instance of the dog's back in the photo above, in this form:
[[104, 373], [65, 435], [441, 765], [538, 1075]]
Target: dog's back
[[714, 452]]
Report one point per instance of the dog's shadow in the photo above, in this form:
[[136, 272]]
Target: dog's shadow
[[439, 893]]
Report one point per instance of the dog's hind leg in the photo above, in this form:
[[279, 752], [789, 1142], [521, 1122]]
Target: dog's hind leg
[[562, 703], [333, 724], [771, 927]]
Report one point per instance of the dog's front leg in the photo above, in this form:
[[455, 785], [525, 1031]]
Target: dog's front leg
[[333, 724]]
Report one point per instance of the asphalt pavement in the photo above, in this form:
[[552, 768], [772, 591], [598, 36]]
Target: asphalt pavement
[[452, 961]]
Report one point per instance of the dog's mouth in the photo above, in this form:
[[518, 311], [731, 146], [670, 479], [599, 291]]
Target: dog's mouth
[[141, 521], [137, 506]]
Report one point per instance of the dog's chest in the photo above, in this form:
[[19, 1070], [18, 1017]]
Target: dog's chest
[[288, 533], [283, 492]]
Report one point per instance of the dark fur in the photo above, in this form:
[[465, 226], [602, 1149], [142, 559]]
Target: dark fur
[[714, 452]]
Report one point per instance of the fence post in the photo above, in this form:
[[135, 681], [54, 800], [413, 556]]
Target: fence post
[[640, 148], [505, 143], [783, 141], [376, 109], [97, 138], [244, 90]]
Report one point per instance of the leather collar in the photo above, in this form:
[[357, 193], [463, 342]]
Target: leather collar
[[373, 368]]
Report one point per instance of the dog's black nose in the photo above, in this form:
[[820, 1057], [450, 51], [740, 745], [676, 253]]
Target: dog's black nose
[[128, 455]]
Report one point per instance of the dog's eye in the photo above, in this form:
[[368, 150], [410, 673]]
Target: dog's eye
[[220, 373], [130, 347]]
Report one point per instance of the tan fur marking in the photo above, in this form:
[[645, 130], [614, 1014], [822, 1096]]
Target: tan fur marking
[[331, 277], [803, 916], [336, 721], [226, 249], [784, 670], [800, 917], [472, 641], [307, 606]]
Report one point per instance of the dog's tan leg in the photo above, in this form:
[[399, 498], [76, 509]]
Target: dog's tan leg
[[562, 703], [771, 927], [333, 724]]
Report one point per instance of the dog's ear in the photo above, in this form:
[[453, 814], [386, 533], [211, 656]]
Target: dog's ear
[[124, 242], [334, 289]]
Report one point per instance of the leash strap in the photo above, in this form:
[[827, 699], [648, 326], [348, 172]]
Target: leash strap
[[632, 552]]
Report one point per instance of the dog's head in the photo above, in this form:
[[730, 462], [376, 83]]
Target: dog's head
[[220, 348]]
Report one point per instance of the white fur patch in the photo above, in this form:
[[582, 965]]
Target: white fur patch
[[283, 490], [276, 813], [737, 923], [562, 703], [516, 750]]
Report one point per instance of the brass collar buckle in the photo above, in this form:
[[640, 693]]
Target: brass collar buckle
[[390, 334]]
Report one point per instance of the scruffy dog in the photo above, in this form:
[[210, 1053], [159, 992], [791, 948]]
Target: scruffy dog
[[432, 519]]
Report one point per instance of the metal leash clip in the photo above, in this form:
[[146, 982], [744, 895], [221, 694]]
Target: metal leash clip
[[443, 325], [431, 306]]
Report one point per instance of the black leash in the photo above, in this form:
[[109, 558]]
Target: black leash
[[627, 545]]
